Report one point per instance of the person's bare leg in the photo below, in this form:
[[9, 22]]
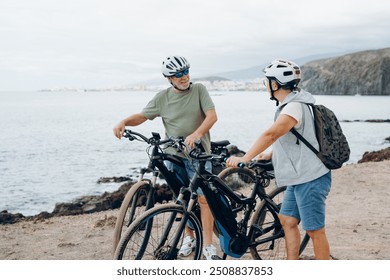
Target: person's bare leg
[[320, 244], [207, 220], [189, 232], [292, 236]]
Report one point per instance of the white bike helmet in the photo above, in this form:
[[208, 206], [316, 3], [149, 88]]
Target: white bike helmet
[[174, 64], [284, 72]]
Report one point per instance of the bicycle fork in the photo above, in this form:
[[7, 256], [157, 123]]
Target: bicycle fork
[[183, 219]]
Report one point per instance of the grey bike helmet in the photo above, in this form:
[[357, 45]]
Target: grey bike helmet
[[284, 72], [174, 64]]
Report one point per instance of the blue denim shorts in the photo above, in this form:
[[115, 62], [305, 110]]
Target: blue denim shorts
[[306, 202], [188, 171]]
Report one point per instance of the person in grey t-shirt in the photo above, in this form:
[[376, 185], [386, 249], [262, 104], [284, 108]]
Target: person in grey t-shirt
[[307, 179], [186, 110]]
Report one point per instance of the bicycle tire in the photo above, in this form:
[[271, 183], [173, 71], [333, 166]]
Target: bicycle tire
[[238, 179], [130, 209], [274, 249], [150, 236]]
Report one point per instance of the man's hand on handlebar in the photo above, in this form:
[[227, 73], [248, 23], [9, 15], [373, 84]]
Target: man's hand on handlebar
[[119, 129], [192, 139]]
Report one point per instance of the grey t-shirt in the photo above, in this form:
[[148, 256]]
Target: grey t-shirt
[[181, 112]]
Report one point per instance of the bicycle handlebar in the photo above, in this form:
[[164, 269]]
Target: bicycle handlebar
[[130, 135], [178, 142], [263, 164]]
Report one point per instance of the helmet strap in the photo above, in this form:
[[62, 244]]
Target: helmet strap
[[272, 92]]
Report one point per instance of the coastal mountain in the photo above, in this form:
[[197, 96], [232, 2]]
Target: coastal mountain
[[360, 73], [257, 71], [211, 79]]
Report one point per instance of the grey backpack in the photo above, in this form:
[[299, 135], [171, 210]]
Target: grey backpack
[[334, 148]]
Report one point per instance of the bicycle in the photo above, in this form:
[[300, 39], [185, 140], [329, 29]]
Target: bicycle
[[144, 194], [159, 232]]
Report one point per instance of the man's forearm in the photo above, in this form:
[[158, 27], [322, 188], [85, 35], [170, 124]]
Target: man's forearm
[[134, 120]]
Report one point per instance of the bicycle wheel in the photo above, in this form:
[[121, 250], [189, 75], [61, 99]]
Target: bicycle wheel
[[158, 234], [240, 180], [269, 235], [133, 205]]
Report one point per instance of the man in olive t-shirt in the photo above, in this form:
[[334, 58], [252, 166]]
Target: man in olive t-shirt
[[186, 110]]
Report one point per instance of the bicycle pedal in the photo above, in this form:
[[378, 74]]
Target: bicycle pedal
[[216, 258]]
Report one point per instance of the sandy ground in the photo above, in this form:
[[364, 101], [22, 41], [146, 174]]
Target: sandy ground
[[358, 227]]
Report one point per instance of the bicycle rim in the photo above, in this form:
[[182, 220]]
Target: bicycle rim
[[152, 235], [268, 229], [240, 180], [133, 205]]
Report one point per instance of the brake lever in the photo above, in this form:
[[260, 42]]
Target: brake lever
[[127, 135]]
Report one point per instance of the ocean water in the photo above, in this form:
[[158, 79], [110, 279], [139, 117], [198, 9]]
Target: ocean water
[[54, 146]]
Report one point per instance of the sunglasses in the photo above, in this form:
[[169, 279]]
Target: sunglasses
[[182, 73]]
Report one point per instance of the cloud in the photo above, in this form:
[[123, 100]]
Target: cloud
[[120, 42]]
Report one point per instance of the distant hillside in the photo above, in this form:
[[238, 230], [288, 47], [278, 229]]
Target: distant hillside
[[358, 73], [363, 73], [257, 71], [211, 79], [244, 74]]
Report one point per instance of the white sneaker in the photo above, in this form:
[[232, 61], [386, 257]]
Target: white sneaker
[[187, 247], [209, 251]]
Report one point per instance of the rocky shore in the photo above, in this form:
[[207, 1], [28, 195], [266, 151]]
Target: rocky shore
[[113, 200], [95, 203], [85, 204]]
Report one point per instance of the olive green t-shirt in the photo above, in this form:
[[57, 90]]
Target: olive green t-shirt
[[181, 112]]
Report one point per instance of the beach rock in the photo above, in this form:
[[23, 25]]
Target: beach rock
[[232, 150], [41, 216], [103, 180], [88, 204], [381, 155], [235, 151], [163, 193], [8, 218], [93, 203]]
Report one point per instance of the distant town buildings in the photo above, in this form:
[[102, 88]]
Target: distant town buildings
[[214, 85]]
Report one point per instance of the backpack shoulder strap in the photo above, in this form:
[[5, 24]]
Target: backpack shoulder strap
[[303, 139], [300, 136]]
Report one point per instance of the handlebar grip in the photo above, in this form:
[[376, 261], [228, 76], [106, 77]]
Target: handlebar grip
[[241, 165]]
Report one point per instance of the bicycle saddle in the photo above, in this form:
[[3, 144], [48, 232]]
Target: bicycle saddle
[[221, 143], [264, 164]]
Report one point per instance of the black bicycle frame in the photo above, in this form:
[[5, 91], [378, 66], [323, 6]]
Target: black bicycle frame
[[218, 194]]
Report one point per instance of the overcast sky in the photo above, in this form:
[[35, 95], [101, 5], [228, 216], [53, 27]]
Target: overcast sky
[[103, 43]]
